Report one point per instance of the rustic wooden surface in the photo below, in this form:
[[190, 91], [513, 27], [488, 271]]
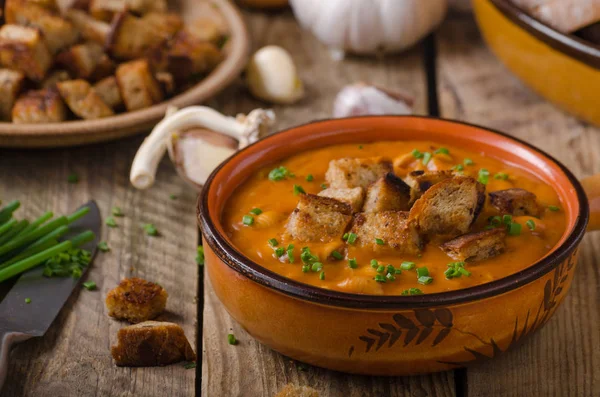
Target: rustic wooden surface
[[563, 359]]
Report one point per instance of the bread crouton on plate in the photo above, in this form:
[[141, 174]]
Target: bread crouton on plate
[[517, 202], [354, 197], [39, 106], [477, 246], [108, 90], [318, 218], [23, 48], [388, 193], [355, 172], [138, 86], [420, 181], [83, 100], [11, 82], [391, 227]]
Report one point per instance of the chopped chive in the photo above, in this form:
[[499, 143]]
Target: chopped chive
[[322, 276], [290, 253], [425, 280], [231, 339], [273, 242], [28, 300], [309, 178], [501, 176], [73, 178], [422, 272], [323, 186], [116, 211], [110, 222], [103, 246], [483, 176], [248, 220], [200, 255], [298, 190], [407, 265], [317, 267], [256, 211], [379, 278], [390, 277], [305, 268], [379, 241], [412, 291], [89, 285], [351, 238], [458, 167], [464, 271], [189, 365], [337, 255], [451, 273], [495, 221], [345, 236], [352, 263], [514, 229], [360, 146], [530, 224], [279, 252], [172, 197], [398, 271], [279, 173], [390, 269], [374, 263], [380, 269], [426, 158], [468, 162], [417, 154], [507, 219], [553, 208], [442, 150], [150, 229]]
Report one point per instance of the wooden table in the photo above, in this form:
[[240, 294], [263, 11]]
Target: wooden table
[[73, 359]]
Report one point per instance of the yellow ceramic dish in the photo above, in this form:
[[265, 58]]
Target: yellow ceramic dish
[[562, 68]]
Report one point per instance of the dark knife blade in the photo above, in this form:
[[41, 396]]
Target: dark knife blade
[[47, 294]]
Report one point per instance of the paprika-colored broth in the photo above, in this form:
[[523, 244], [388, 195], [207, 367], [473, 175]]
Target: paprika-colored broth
[[277, 199]]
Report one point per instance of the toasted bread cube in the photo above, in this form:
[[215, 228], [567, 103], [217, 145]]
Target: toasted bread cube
[[420, 181], [151, 343], [352, 172], [139, 89], [106, 9], [106, 67], [136, 300], [390, 226], [11, 83], [57, 32], [82, 59], [318, 218], [449, 207], [22, 48], [475, 247], [517, 202], [205, 29], [291, 390], [188, 57], [90, 28], [389, 193], [12, 8], [164, 24], [353, 197], [83, 100], [54, 77], [166, 81], [35, 107], [108, 90]]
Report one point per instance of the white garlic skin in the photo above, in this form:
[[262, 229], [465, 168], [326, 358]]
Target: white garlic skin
[[272, 76], [363, 100], [368, 27]]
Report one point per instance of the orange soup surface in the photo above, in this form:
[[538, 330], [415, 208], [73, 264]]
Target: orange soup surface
[[255, 220]]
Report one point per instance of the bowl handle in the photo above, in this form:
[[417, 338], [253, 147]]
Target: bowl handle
[[592, 188]]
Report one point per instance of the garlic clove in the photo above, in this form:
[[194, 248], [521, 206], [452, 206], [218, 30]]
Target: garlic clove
[[197, 152], [361, 99], [272, 76]]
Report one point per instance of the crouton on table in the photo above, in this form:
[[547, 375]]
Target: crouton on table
[[83, 100], [22, 48], [318, 218], [151, 343], [420, 181], [136, 300], [354, 197], [449, 207], [11, 82], [108, 90], [82, 59], [389, 193], [390, 226], [138, 86], [478, 246], [517, 202], [41, 106], [352, 172]]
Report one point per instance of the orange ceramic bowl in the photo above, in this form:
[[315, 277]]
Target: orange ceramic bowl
[[562, 68], [389, 335]]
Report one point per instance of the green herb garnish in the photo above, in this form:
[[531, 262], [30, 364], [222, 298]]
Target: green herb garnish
[[379, 241], [256, 211], [323, 186], [309, 178], [422, 272], [352, 238], [290, 253], [150, 229], [380, 269], [68, 263], [247, 220], [279, 252], [116, 211], [458, 167], [501, 176], [110, 222], [200, 255], [530, 224], [442, 150], [412, 291], [507, 219], [103, 246], [189, 365], [380, 278], [425, 280], [374, 263], [417, 154], [89, 285], [483, 176], [407, 265], [553, 208], [352, 264], [322, 276], [28, 300], [273, 242], [345, 236], [172, 197], [468, 162], [231, 339], [279, 174], [426, 158], [73, 178], [514, 229], [337, 255], [298, 190], [316, 267]]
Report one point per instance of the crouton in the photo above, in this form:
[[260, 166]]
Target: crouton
[[291, 390], [390, 226], [475, 247], [105, 67], [106, 9], [90, 28], [136, 300], [42, 106], [420, 181], [352, 172], [22, 48], [318, 218], [151, 343], [54, 77], [205, 29], [82, 59], [353, 197], [389, 193], [83, 100], [164, 24], [108, 90], [139, 88], [188, 57], [449, 207], [57, 32], [517, 202], [11, 83], [13, 7]]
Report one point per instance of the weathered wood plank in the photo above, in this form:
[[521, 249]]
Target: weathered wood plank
[[563, 359], [73, 358], [251, 369]]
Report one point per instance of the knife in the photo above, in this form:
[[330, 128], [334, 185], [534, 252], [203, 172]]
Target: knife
[[20, 321]]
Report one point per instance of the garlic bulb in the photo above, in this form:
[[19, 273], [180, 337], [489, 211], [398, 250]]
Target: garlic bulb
[[272, 76], [361, 99], [196, 153], [366, 27]]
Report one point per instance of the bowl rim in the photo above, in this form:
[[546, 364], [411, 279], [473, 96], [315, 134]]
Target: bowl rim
[[571, 45], [238, 262]]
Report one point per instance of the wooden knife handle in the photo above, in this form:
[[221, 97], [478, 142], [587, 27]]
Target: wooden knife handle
[[7, 340]]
